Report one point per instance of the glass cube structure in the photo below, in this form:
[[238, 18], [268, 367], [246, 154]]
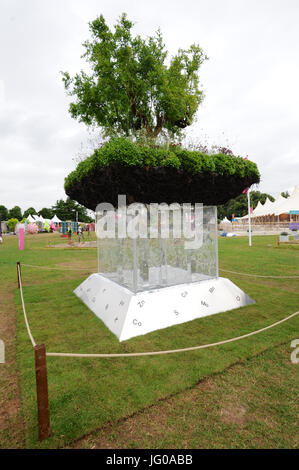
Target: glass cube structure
[[170, 247]]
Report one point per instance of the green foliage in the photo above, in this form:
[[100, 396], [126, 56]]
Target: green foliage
[[156, 174], [131, 91], [11, 224], [66, 210], [15, 213], [285, 194], [46, 213], [239, 205], [3, 213], [30, 211]]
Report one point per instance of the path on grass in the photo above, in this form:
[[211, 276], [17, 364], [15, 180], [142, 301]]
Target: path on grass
[[11, 422]]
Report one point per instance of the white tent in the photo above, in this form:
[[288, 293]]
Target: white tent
[[256, 212], [55, 219], [276, 204], [225, 221], [267, 207], [30, 219], [289, 204], [281, 205]]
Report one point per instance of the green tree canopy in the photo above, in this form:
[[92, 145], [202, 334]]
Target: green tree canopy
[[29, 211], [131, 90], [66, 210], [3, 213], [11, 223], [46, 213], [15, 213]]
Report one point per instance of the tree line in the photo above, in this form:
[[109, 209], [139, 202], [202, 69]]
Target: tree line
[[65, 210]]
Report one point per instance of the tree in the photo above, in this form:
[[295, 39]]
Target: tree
[[239, 205], [11, 224], [15, 213], [46, 213], [3, 213], [66, 210], [30, 211], [131, 91], [285, 194]]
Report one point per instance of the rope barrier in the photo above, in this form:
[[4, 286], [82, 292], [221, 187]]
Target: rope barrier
[[23, 305], [57, 268], [152, 353], [220, 269], [258, 275]]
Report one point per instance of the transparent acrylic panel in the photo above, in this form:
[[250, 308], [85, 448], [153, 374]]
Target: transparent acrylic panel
[[146, 263]]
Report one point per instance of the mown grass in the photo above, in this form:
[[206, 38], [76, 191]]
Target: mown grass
[[252, 404], [85, 394]]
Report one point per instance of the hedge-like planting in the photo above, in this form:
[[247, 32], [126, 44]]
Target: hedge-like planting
[[149, 174]]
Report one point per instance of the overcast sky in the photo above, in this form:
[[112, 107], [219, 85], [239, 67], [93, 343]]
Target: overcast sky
[[251, 84]]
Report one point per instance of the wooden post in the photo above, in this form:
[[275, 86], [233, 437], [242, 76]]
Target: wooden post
[[42, 392], [18, 271]]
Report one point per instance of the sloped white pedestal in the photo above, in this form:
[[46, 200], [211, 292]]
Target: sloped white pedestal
[[127, 314]]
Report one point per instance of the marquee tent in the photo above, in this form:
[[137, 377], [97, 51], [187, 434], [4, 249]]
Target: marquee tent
[[289, 204], [280, 206], [225, 221], [30, 219], [55, 219]]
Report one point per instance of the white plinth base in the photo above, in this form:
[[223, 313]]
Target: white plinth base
[[127, 314]]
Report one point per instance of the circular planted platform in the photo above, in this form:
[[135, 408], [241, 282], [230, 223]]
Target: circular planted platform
[[148, 174]]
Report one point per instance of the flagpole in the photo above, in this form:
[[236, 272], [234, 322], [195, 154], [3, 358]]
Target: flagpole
[[249, 216]]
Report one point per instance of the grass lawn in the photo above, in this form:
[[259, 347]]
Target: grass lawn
[[86, 394], [252, 404]]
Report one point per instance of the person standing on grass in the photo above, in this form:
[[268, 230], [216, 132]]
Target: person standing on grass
[[69, 234]]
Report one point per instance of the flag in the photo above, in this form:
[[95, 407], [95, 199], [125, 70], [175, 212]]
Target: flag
[[21, 239], [245, 191]]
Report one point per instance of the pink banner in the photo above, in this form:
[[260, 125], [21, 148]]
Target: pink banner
[[21, 239]]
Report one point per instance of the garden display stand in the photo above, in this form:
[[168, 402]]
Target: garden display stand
[[143, 285], [148, 284]]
